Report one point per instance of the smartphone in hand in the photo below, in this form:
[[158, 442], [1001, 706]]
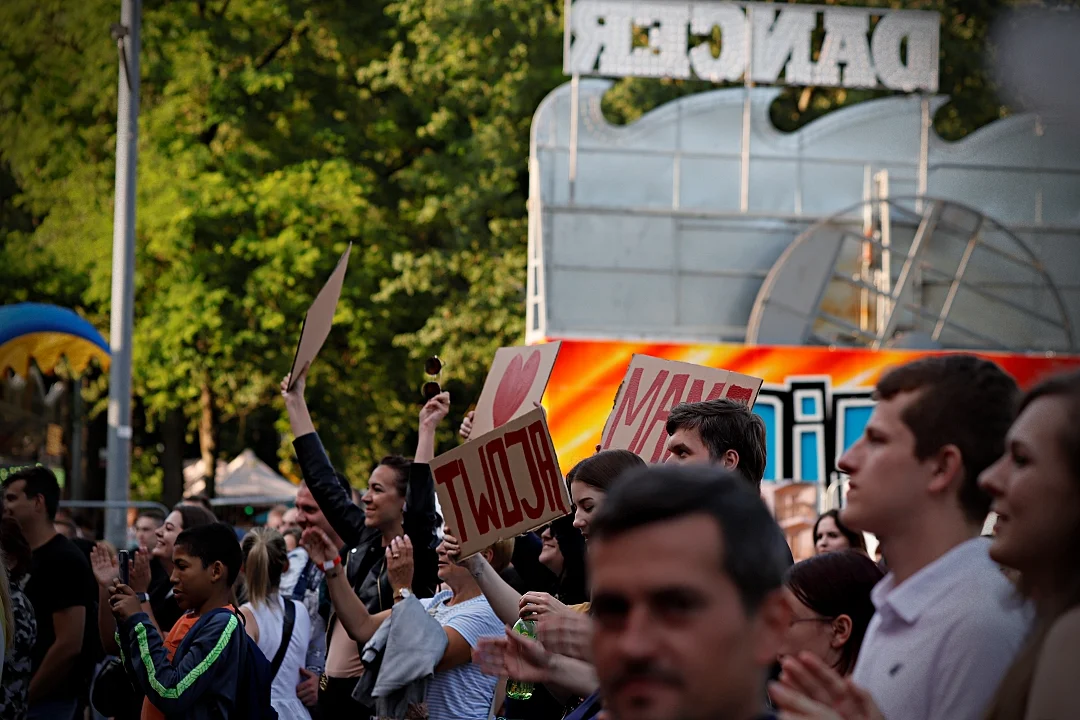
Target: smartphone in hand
[[125, 575]]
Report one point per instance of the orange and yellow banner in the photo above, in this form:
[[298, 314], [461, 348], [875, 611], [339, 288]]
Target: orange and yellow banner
[[815, 401]]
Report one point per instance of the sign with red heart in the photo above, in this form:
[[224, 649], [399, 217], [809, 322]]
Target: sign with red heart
[[652, 387], [514, 385]]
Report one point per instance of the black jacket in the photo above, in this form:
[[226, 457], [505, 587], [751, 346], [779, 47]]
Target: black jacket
[[366, 561]]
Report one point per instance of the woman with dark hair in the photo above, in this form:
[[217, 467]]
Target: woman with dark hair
[[17, 556], [829, 595], [1035, 487], [592, 478], [831, 535]]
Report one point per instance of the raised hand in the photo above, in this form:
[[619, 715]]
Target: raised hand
[[465, 431], [434, 411], [140, 571], [105, 565], [399, 562], [318, 545], [533, 605], [513, 656], [297, 389], [452, 547]]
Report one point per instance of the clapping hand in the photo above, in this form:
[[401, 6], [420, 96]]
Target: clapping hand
[[105, 565], [318, 545], [811, 690], [513, 656], [139, 575], [399, 562], [568, 633]]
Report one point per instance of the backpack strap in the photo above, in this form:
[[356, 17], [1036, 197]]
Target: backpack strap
[[302, 582], [286, 636]]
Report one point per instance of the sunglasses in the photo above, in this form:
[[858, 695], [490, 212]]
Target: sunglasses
[[432, 367]]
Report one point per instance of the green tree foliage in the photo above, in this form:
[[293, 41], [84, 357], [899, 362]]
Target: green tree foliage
[[272, 134]]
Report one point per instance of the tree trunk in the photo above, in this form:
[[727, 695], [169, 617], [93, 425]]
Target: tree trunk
[[208, 436], [172, 460]]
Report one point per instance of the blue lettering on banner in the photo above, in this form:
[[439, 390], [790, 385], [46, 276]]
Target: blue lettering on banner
[[809, 425]]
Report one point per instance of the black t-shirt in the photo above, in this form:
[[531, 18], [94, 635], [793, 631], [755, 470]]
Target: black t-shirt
[[61, 578]]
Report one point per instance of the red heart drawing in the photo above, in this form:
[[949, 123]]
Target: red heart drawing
[[514, 388]]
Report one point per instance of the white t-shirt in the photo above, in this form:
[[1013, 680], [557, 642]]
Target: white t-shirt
[[463, 692], [271, 620]]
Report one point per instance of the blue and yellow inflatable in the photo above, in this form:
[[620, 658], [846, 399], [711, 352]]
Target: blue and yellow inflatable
[[44, 334]]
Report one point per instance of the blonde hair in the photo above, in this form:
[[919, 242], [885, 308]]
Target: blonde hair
[[265, 558], [501, 553], [5, 603]]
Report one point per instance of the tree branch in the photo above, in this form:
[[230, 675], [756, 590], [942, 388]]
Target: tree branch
[[270, 54]]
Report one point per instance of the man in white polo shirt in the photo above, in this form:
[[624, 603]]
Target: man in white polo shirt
[[948, 623]]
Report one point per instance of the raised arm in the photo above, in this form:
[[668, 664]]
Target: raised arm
[[430, 416], [106, 571], [334, 500], [354, 617], [504, 600]]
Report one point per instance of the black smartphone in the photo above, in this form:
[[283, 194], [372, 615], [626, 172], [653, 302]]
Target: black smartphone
[[125, 577]]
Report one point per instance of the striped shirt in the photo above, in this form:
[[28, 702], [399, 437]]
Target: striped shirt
[[463, 692]]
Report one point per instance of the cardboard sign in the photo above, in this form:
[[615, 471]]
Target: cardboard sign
[[652, 387], [319, 318], [501, 484], [514, 385]]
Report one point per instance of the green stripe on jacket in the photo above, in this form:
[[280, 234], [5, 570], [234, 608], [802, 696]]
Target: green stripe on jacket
[[196, 672]]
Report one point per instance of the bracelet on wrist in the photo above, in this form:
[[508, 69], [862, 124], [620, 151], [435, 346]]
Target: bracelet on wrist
[[330, 564]]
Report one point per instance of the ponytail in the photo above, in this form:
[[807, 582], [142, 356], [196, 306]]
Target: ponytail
[[265, 558]]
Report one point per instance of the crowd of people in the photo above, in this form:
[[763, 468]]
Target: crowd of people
[[669, 593]]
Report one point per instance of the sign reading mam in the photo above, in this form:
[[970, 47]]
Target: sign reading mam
[[758, 42]]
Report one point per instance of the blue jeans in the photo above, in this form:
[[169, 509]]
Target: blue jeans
[[53, 710]]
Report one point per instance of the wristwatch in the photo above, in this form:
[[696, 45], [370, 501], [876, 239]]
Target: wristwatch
[[143, 597], [402, 594]]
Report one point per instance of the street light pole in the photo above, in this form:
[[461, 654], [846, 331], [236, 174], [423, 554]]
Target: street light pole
[[118, 467]]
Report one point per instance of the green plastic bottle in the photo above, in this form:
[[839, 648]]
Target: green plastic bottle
[[517, 689]]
